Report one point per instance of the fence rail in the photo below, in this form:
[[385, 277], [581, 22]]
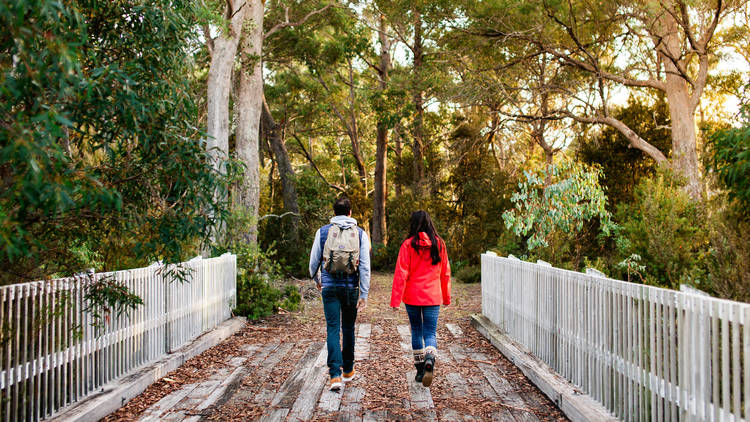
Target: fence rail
[[52, 354], [643, 352]]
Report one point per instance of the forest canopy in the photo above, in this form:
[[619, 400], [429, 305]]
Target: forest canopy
[[612, 135]]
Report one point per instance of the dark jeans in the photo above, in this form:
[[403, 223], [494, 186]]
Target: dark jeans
[[423, 321], [340, 308]]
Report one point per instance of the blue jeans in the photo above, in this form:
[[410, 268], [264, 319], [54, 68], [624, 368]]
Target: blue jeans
[[340, 308], [423, 321]]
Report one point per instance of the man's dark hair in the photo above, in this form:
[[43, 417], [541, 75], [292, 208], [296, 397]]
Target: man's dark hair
[[342, 206]]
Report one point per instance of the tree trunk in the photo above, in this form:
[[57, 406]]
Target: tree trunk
[[223, 50], [379, 230], [681, 113], [286, 173], [418, 144], [397, 149], [249, 105], [354, 131]]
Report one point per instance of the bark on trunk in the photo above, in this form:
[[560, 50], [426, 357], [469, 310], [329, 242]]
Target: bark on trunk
[[219, 84], [418, 144], [379, 230], [223, 49], [286, 174], [397, 149], [249, 105], [681, 111], [354, 131]]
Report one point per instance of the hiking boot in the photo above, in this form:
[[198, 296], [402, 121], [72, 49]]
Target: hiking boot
[[420, 371], [336, 384], [348, 376], [429, 369]]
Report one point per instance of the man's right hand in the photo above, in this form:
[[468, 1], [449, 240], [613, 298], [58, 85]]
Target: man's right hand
[[319, 286]]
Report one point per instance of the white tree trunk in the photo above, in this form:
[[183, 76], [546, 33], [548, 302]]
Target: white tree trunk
[[249, 102], [219, 85], [223, 49]]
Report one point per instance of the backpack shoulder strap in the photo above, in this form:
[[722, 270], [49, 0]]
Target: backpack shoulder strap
[[324, 237]]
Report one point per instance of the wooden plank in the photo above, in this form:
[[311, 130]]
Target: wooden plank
[[154, 413], [265, 396], [457, 351], [375, 416], [419, 395], [362, 342], [275, 415], [503, 415], [304, 407], [405, 334], [451, 415], [219, 392], [291, 387], [508, 395], [459, 387], [455, 330], [352, 407]]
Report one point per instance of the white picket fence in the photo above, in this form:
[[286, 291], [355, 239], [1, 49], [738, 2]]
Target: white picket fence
[[643, 352], [51, 355]]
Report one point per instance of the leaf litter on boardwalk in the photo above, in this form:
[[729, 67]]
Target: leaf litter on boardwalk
[[382, 376]]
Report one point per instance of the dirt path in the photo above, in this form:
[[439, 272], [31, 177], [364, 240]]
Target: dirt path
[[274, 369]]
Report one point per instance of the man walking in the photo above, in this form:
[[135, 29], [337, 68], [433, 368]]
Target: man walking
[[341, 251]]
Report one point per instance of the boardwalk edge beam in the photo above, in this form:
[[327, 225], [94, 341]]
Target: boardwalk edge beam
[[120, 391], [577, 406]]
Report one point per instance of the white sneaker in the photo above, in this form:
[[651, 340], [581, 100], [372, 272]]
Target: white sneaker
[[336, 384], [348, 376]]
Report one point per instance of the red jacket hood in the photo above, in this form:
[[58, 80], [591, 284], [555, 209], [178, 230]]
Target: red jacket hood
[[416, 280], [424, 240]]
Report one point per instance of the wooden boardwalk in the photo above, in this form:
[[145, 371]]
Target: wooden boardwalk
[[280, 374], [304, 395]]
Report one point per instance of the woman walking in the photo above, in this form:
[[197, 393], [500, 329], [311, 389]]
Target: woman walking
[[422, 282]]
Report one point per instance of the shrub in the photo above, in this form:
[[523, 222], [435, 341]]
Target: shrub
[[469, 274], [730, 159], [668, 231], [556, 209], [256, 271], [729, 262]]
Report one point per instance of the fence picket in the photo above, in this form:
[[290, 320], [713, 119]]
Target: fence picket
[[51, 355], [643, 352]]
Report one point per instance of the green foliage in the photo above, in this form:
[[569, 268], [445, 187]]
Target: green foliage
[[469, 274], [106, 297], [561, 207], [256, 295], [729, 264], [730, 159], [257, 272], [668, 231], [622, 166], [100, 160]]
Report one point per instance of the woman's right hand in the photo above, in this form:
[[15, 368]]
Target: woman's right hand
[[395, 308]]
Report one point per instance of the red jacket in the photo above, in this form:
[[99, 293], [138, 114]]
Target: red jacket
[[417, 281]]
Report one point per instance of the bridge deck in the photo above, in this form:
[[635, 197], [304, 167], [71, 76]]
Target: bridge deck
[[275, 370]]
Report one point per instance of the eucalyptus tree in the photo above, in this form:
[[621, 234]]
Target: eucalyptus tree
[[656, 46], [417, 26], [101, 162]]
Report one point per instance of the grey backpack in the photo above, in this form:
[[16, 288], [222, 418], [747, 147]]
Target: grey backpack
[[341, 251]]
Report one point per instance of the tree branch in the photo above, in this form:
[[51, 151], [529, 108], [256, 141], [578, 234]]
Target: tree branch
[[647, 83], [209, 40], [706, 37], [287, 24], [312, 162], [633, 138]]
